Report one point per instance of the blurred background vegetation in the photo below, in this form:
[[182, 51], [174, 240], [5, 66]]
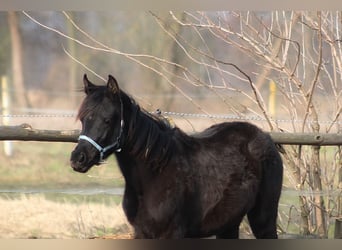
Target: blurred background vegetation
[[43, 74], [281, 70]]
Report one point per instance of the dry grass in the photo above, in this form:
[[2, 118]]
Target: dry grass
[[45, 166], [32, 216]]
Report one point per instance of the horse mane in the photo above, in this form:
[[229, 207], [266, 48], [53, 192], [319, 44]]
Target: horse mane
[[149, 136]]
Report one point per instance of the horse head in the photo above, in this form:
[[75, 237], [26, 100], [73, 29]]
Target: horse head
[[101, 115]]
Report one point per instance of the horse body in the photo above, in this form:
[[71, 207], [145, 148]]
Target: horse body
[[206, 189], [179, 185]]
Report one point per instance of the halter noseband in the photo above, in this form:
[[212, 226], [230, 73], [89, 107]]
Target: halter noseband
[[116, 145]]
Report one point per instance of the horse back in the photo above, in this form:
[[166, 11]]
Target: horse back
[[230, 161]]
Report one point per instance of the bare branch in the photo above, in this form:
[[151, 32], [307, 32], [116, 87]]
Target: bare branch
[[310, 93]]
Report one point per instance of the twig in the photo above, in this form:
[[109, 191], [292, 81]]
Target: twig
[[82, 64], [310, 93]]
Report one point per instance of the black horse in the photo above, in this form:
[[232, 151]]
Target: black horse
[[179, 185]]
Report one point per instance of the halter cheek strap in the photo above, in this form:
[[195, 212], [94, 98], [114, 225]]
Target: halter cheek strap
[[116, 145]]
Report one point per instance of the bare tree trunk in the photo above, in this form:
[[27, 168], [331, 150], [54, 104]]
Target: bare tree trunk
[[17, 60], [73, 65], [319, 207], [338, 221], [295, 162]]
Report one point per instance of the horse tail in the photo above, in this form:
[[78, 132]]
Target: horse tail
[[262, 217]]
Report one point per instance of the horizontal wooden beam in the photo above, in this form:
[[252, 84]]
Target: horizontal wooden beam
[[25, 132], [318, 139]]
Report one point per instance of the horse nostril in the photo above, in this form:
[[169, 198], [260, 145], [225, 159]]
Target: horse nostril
[[81, 158]]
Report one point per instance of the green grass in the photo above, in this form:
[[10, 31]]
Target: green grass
[[105, 199], [46, 165]]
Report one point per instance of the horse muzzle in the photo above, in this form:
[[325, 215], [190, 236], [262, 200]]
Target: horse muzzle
[[80, 161]]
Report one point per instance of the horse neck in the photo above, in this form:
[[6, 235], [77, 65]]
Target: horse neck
[[148, 141]]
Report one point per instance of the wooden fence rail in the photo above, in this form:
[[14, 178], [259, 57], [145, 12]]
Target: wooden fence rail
[[25, 132]]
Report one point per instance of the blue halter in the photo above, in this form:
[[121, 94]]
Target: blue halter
[[103, 150], [116, 145]]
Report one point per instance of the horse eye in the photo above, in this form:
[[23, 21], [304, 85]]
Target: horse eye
[[107, 120]]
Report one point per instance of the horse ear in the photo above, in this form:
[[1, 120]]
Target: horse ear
[[88, 85], [112, 84]]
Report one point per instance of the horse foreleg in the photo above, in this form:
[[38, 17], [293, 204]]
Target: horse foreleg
[[230, 233]]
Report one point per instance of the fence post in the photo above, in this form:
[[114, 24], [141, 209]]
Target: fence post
[[272, 98], [8, 146]]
